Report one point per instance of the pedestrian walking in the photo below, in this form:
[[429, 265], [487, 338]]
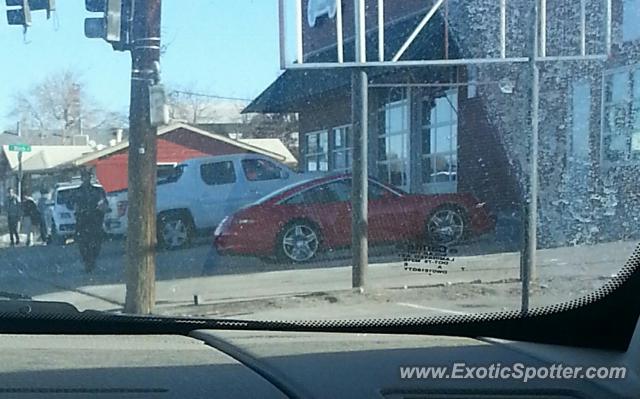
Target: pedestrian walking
[[43, 204], [30, 217], [90, 203], [12, 204]]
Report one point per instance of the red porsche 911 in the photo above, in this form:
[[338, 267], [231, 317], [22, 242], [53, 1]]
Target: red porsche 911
[[296, 222]]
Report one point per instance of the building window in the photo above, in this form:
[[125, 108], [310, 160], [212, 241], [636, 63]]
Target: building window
[[440, 143], [578, 161], [578, 144], [630, 18], [621, 124], [472, 88], [393, 142], [317, 156], [342, 152]]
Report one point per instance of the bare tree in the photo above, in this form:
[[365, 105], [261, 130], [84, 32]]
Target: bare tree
[[60, 103], [192, 107], [281, 126]]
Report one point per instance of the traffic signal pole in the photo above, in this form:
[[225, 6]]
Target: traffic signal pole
[[141, 236]]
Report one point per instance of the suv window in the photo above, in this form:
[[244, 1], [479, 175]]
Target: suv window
[[260, 170], [218, 173]]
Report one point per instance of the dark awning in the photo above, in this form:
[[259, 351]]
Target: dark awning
[[294, 88]]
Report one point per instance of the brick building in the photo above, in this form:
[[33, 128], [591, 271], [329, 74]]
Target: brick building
[[466, 128]]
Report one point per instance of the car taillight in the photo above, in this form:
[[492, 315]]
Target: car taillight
[[122, 208]]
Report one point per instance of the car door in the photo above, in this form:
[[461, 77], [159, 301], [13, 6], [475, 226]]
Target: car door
[[387, 218], [220, 193], [327, 205], [262, 177]]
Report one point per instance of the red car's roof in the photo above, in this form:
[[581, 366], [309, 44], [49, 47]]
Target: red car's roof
[[305, 184]]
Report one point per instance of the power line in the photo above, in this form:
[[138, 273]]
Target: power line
[[194, 94]]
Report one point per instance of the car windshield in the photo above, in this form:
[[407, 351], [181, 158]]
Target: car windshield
[[459, 156]]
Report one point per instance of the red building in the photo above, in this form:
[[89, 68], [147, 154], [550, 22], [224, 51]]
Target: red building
[[176, 143]]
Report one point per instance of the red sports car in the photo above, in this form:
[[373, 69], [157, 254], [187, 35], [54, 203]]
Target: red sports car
[[296, 222]]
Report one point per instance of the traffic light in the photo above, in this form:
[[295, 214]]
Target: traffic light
[[21, 15], [115, 24], [37, 5]]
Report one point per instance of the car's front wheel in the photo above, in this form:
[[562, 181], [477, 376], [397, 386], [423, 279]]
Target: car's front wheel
[[298, 242], [174, 231]]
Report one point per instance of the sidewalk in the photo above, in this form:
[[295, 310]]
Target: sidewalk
[[555, 266]]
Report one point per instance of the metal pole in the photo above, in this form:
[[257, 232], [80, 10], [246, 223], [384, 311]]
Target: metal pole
[[583, 27], [299, 43], [530, 206], [503, 28], [283, 34], [359, 198], [339, 31], [381, 30], [141, 237], [20, 175]]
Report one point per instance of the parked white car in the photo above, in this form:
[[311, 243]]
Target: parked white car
[[203, 191], [59, 216]]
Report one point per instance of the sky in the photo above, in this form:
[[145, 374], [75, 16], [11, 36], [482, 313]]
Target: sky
[[220, 47]]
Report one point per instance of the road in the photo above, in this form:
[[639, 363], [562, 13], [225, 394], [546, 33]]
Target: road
[[477, 277]]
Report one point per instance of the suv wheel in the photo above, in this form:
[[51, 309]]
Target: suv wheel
[[174, 232]]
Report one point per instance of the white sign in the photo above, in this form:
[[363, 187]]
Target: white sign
[[158, 108], [319, 8], [635, 142]]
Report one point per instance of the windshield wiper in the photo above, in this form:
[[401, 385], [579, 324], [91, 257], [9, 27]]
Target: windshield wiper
[[13, 295]]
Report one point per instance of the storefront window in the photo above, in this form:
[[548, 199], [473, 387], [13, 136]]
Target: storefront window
[[342, 152], [621, 124], [317, 156], [440, 143], [630, 18], [393, 142], [578, 141]]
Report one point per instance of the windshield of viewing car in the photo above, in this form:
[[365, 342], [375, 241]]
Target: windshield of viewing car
[[458, 156]]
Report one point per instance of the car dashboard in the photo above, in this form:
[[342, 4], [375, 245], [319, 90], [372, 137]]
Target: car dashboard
[[259, 364]]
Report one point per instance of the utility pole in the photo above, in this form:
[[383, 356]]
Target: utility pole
[[359, 197], [530, 205], [141, 236]]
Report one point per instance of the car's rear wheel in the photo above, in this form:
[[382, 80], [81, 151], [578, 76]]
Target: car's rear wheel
[[298, 242], [446, 226], [175, 231]]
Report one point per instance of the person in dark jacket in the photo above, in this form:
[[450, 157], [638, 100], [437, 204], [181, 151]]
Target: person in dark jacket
[[30, 217], [90, 203], [12, 205], [43, 204]]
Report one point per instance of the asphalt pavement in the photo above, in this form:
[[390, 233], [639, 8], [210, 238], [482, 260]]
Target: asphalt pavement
[[477, 277]]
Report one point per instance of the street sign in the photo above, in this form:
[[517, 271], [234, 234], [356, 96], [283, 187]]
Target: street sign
[[19, 147]]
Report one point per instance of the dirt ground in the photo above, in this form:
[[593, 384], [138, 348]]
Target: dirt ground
[[439, 299]]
